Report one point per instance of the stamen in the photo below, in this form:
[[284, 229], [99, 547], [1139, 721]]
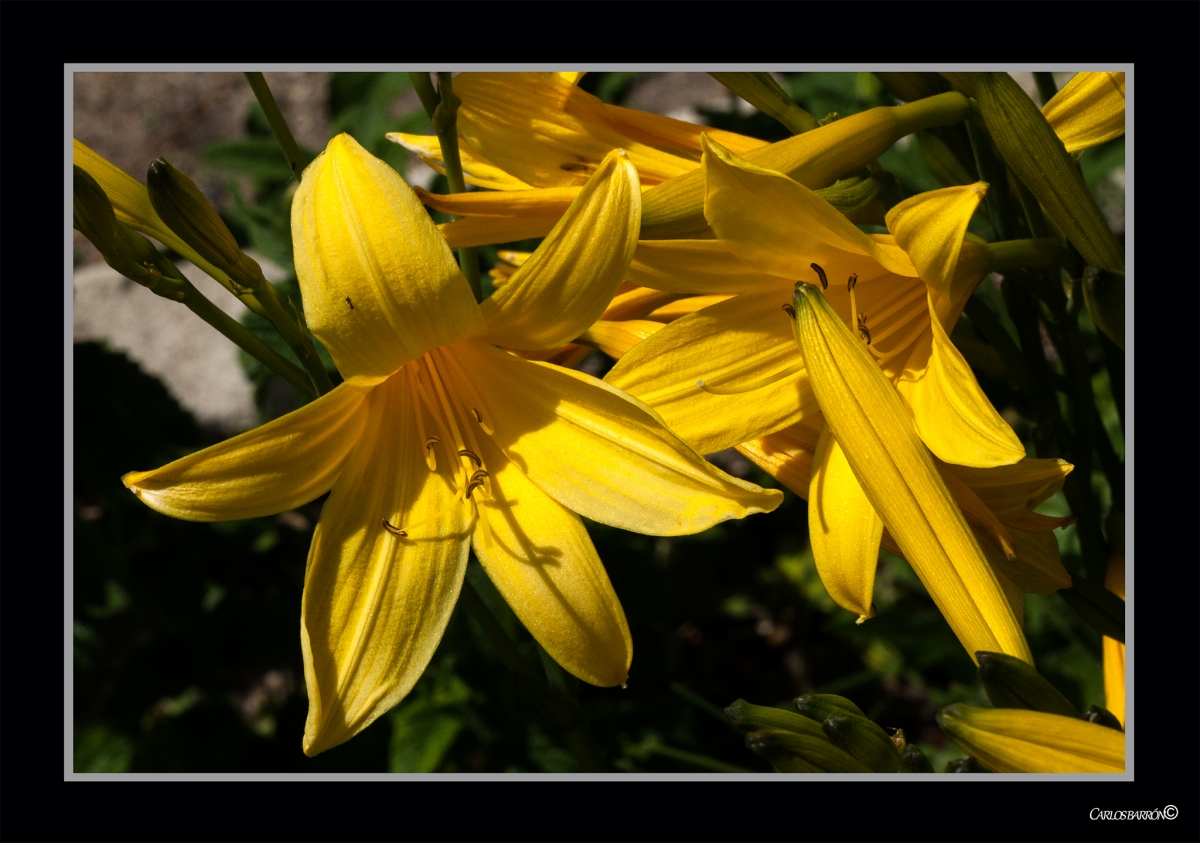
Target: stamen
[[459, 476], [418, 408], [789, 310], [821, 275], [782, 374], [478, 405], [862, 327], [447, 410], [349, 302], [472, 456], [851, 282], [395, 531]]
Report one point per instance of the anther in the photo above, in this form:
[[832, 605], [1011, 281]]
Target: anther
[[821, 275], [478, 415], [395, 531], [852, 281], [476, 481], [862, 327], [471, 456], [431, 441], [349, 302], [789, 310]]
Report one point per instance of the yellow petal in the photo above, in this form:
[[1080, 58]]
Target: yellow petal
[[543, 203], [1012, 490], [616, 338], [131, 204], [844, 530], [380, 285], [732, 344], [484, 231], [779, 226], [676, 135], [1114, 651], [787, 455], [375, 604], [901, 481], [953, 415], [633, 302], [695, 266], [684, 307], [1089, 110], [572, 276], [279, 466], [978, 515], [1009, 740], [930, 227], [547, 132], [603, 454], [573, 77], [476, 169], [542, 561]]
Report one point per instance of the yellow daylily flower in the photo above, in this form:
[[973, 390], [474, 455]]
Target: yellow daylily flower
[[732, 373], [1114, 650], [876, 472], [536, 137], [910, 286], [1010, 740], [1089, 110], [439, 442]]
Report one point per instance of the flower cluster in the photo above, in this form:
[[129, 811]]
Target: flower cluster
[[768, 297]]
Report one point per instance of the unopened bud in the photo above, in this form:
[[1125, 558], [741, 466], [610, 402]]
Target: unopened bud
[[95, 220], [189, 214], [1102, 717], [1011, 683], [912, 760], [752, 718], [820, 706], [864, 740], [789, 752]]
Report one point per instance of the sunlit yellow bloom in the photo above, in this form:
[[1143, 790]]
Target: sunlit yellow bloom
[[537, 137], [731, 373], [1114, 650], [439, 442], [771, 230], [871, 469], [1010, 740], [1089, 110]]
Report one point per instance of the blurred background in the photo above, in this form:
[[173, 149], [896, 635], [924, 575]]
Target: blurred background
[[186, 636]]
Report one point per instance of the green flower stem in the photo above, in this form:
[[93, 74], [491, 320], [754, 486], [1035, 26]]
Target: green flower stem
[[990, 166], [565, 713], [152, 269], [247, 341], [291, 150], [442, 107], [1114, 468], [1040, 252], [1114, 361], [294, 331]]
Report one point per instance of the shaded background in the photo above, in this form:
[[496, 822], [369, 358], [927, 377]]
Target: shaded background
[[186, 644]]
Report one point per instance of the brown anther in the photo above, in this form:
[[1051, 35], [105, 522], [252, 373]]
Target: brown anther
[[478, 415], [862, 327], [789, 310], [478, 476], [472, 488], [349, 302], [431, 441], [395, 531], [821, 275], [852, 281], [470, 455]]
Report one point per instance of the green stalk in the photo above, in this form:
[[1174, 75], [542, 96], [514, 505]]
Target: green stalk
[[1039, 252], [562, 711], [442, 107], [291, 150], [763, 92], [176, 287]]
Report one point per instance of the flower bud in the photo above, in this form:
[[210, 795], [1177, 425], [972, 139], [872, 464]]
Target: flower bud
[[188, 213], [1011, 683]]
